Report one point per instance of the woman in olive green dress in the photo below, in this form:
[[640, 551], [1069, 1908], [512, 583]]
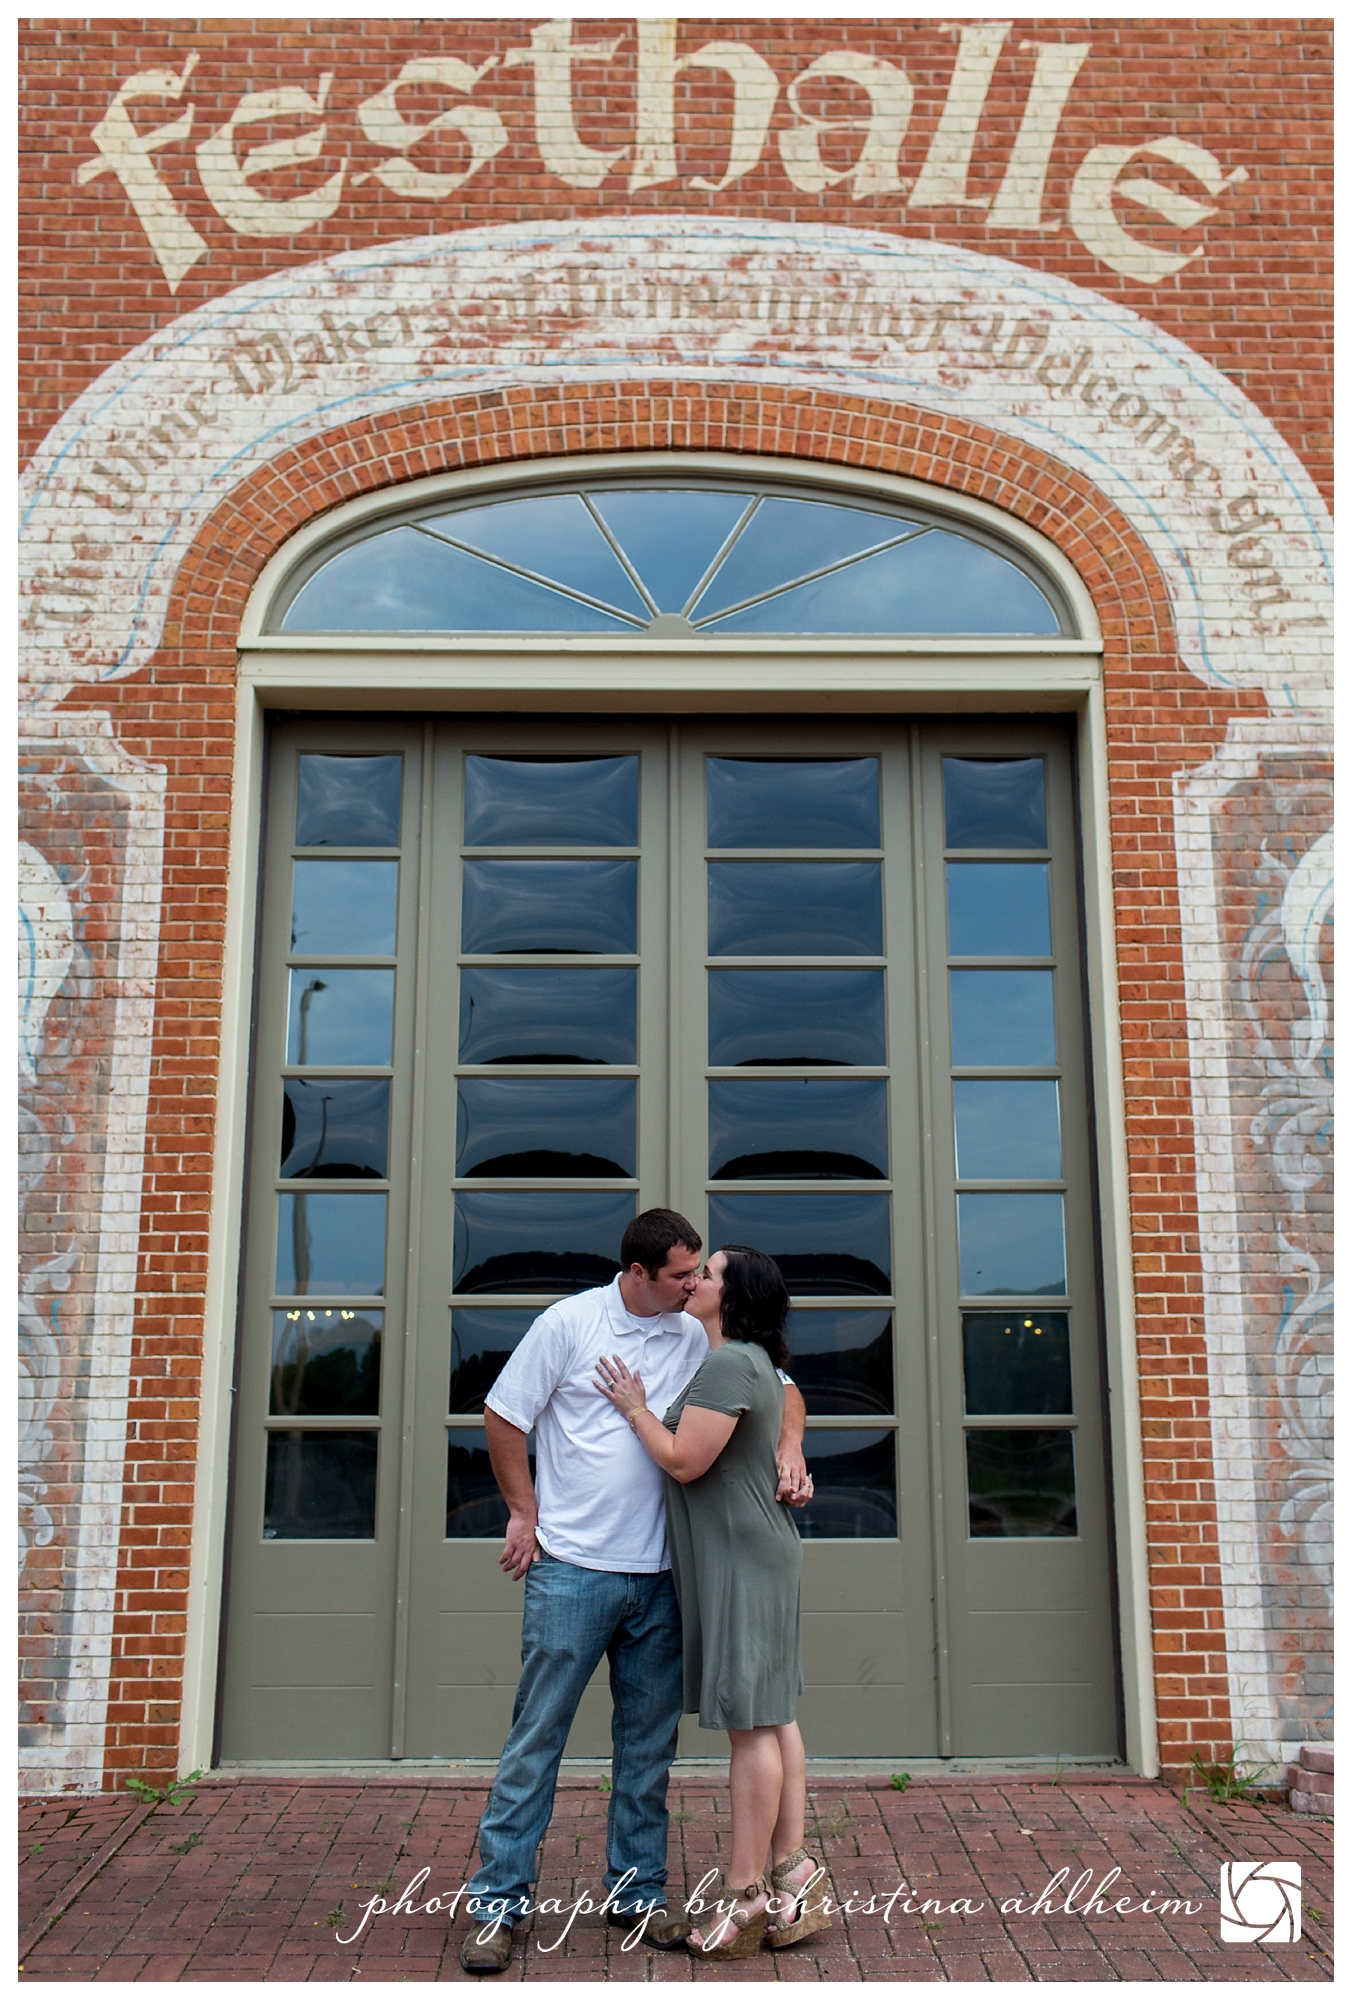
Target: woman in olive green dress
[[737, 1565]]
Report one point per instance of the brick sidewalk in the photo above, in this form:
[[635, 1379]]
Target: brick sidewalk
[[256, 1880]]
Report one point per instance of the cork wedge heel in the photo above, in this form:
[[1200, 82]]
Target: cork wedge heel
[[804, 1905], [738, 1940]]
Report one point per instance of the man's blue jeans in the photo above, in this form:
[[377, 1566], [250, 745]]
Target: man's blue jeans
[[572, 1617]]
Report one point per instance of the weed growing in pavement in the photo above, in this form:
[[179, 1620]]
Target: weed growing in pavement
[[603, 1783], [182, 1846], [683, 1816], [37, 1847], [335, 1917], [1225, 1783], [168, 1795], [900, 1780], [834, 1827]]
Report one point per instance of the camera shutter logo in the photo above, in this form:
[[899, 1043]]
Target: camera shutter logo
[[1260, 1902]]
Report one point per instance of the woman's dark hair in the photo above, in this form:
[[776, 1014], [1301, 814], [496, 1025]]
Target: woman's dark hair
[[755, 1300]]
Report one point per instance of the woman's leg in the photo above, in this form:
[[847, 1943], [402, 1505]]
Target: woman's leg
[[755, 1779], [788, 1827], [790, 1912]]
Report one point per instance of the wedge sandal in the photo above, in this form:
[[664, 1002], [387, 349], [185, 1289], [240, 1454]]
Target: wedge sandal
[[803, 1907], [737, 1940]]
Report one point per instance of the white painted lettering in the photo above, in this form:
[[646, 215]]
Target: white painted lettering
[[384, 125], [551, 54], [226, 177], [1099, 178], [890, 99], [755, 89], [1018, 205], [126, 152], [943, 178]]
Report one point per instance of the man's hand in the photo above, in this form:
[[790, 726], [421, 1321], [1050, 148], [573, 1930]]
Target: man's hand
[[520, 1549], [795, 1481], [510, 1460]]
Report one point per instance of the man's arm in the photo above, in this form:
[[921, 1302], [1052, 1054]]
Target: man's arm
[[795, 1487], [511, 1468]]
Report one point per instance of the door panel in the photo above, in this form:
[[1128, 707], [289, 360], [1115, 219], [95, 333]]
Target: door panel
[[314, 1526], [817, 986], [1025, 1531]]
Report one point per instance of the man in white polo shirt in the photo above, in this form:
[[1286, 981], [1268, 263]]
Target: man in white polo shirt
[[589, 1537]]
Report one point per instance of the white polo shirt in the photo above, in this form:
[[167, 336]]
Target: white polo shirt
[[598, 1492]]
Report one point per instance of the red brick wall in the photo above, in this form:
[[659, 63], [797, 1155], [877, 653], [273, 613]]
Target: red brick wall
[[1254, 302], [1256, 93]]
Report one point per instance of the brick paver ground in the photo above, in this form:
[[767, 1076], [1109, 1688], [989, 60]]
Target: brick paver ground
[[253, 1879]]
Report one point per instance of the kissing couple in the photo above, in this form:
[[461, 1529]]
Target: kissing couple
[[668, 1446]]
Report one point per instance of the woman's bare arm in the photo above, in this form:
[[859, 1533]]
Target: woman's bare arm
[[700, 1435]]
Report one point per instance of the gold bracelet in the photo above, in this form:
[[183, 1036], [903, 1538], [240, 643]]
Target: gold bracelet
[[634, 1416]]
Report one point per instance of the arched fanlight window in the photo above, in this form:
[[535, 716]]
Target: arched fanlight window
[[672, 559]]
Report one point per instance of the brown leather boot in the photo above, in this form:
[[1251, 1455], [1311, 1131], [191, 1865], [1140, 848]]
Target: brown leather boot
[[663, 1931], [487, 1951]]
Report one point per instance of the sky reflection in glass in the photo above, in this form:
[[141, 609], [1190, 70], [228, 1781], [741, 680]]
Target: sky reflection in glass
[[349, 907], [785, 539], [528, 1127], [999, 909], [340, 1014], [1007, 1129], [994, 802], [1011, 1245], [330, 1243], [566, 802], [680, 543], [538, 1240], [348, 801], [807, 1016], [818, 1129], [548, 1014], [937, 583], [999, 1017], [800, 908], [405, 581], [555, 536], [793, 802], [550, 906], [671, 536], [823, 1243]]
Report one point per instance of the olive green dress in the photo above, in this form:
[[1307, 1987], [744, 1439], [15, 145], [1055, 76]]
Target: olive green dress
[[736, 1559]]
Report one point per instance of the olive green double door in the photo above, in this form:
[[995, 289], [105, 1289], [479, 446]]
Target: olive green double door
[[815, 984]]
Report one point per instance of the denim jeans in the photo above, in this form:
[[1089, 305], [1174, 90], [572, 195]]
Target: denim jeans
[[572, 1617]]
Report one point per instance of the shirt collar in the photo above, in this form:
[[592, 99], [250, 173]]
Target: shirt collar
[[627, 1322]]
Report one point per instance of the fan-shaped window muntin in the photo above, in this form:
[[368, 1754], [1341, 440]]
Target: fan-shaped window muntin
[[672, 559]]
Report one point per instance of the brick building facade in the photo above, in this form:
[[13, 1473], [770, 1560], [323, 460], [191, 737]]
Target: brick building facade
[[1065, 285]]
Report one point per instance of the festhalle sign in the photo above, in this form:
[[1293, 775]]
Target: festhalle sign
[[240, 178], [1055, 1899]]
